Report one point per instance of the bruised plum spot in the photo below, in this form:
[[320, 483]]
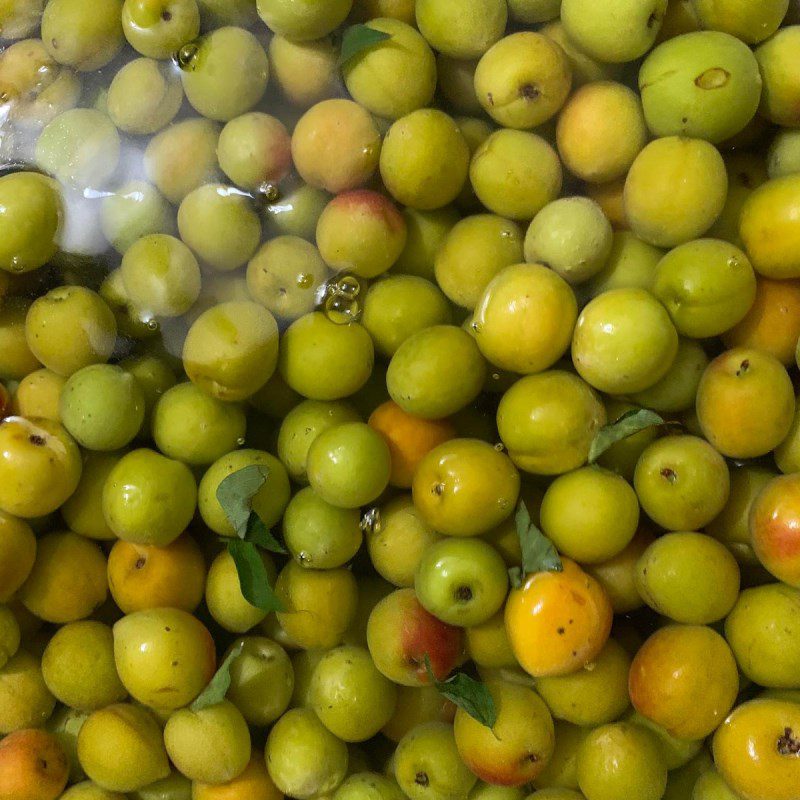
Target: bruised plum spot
[[37, 440], [421, 779], [743, 368], [669, 474], [788, 743], [714, 78], [140, 562]]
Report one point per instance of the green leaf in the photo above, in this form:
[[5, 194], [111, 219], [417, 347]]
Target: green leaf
[[235, 494], [253, 578], [258, 533], [467, 693], [218, 686], [539, 554], [633, 421], [357, 39]]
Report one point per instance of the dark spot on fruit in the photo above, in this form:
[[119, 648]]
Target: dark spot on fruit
[[168, 630], [788, 743], [529, 91], [743, 367], [490, 98], [652, 19], [140, 562], [43, 764], [714, 78], [684, 120], [532, 757], [463, 594], [574, 653], [166, 16], [572, 622], [561, 631], [37, 440], [438, 489], [421, 779], [174, 663], [54, 44], [669, 474]]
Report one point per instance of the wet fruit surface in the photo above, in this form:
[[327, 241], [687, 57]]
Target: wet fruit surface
[[398, 400]]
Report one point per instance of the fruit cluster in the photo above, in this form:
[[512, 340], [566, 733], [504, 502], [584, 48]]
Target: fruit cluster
[[397, 400]]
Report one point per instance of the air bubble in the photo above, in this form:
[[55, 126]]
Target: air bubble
[[342, 310], [305, 281], [186, 57], [371, 521]]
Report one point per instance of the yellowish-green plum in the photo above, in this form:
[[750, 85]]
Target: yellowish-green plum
[[682, 482], [631, 264], [164, 656], [523, 80], [30, 217], [538, 305], [26, 700], [84, 41], [675, 190], [515, 174], [304, 758], [305, 71], [133, 734], [209, 745], [436, 372], [231, 350], [707, 286], [474, 250], [780, 94], [10, 635], [752, 23], [225, 74], [149, 498], [159, 29], [322, 360], [688, 577], [548, 422], [464, 32], [395, 76], [268, 502], [424, 160], [704, 84], [305, 19], [618, 31], [624, 341]]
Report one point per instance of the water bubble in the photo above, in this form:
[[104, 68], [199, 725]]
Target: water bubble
[[186, 57], [499, 447], [371, 521], [152, 324], [733, 262], [240, 442], [305, 281], [16, 264], [342, 310], [347, 285]]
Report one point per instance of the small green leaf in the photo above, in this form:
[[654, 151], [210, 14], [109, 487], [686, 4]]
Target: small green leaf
[[253, 578], [515, 576], [633, 421], [258, 533], [467, 693], [358, 38], [218, 686], [235, 494], [539, 554]]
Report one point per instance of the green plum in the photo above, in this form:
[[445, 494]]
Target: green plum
[[704, 84], [297, 212], [191, 426], [268, 502], [688, 577], [572, 236], [262, 680], [231, 350], [682, 482], [102, 406], [436, 372], [225, 73], [320, 535], [631, 264], [211, 745], [348, 465], [461, 581], [149, 498], [135, 210], [621, 760], [158, 28], [165, 657], [707, 286], [302, 425], [304, 758], [590, 514], [351, 698], [303, 19], [85, 41], [30, 218], [464, 31], [624, 341]]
